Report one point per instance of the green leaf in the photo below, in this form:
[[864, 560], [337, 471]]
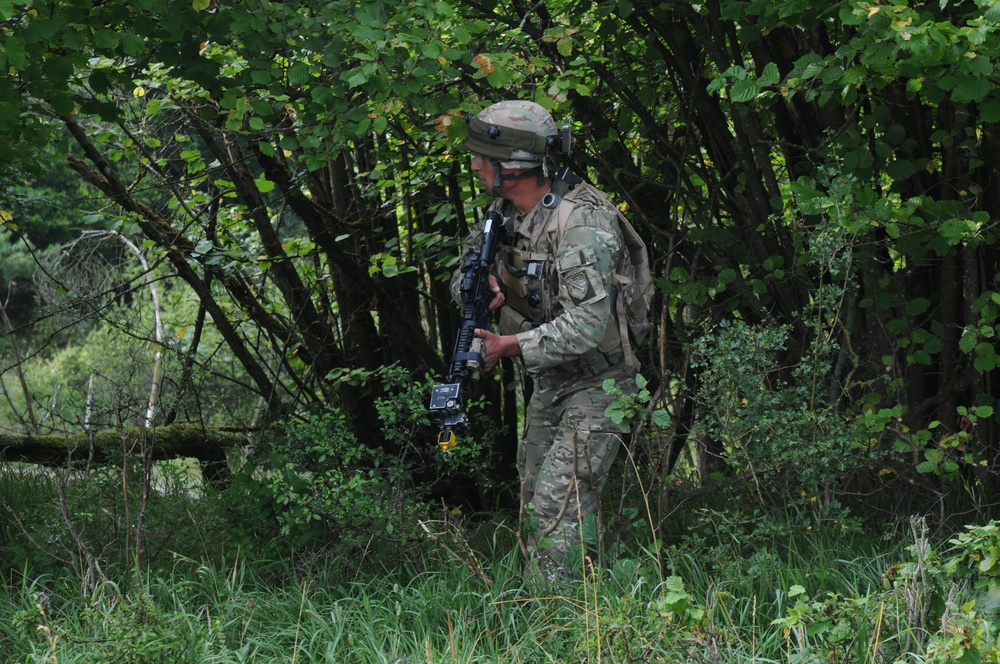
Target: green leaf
[[737, 73], [58, 70], [716, 84], [132, 44], [203, 247], [970, 90], [298, 74], [264, 185], [917, 306], [14, 46], [900, 169], [357, 78], [744, 91], [986, 357], [321, 94], [897, 326], [770, 75], [499, 77], [983, 411], [968, 342], [106, 39]]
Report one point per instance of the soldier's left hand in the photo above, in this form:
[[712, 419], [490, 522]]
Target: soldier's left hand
[[497, 347]]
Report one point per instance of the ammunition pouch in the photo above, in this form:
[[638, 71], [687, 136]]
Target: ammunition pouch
[[525, 276], [513, 322]]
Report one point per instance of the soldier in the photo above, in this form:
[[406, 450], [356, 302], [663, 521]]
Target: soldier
[[556, 297]]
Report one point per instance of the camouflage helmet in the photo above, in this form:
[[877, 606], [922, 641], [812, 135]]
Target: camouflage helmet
[[517, 134]]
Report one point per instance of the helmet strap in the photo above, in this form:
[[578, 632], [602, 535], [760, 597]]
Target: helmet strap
[[497, 178]]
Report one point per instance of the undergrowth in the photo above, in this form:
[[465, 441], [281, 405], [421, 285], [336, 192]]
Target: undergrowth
[[320, 550], [835, 595]]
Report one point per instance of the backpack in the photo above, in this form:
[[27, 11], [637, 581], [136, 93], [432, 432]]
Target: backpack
[[633, 278]]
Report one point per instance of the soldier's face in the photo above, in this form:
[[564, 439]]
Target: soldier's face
[[482, 167]]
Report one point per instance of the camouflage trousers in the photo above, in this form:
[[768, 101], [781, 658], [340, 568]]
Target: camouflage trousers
[[564, 461]]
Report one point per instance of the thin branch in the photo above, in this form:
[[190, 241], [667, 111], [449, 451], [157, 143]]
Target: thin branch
[[18, 363]]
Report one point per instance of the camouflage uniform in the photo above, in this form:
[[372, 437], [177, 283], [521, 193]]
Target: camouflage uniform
[[570, 344]]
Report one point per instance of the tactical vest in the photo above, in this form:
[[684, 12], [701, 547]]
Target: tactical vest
[[528, 273]]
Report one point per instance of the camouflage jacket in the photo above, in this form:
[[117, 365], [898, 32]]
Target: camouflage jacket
[[558, 290]]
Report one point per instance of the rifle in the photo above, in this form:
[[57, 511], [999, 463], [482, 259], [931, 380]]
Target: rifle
[[467, 361]]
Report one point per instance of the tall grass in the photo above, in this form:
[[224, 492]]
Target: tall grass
[[440, 613], [720, 584]]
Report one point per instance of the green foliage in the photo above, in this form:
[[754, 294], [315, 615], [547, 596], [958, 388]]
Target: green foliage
[[831, 205], [17, 264], [324, 488], [724, 599], [909, 100], [976, 556], [818, 177], [85, 521], [637, 618], [42, 201], [979, 340], [634, 407], [834, 628], [294, 163], [48, 627], [946, 454], [100, 354], [957, 592], [931, 608], [325, 484], [403, 415], [966, 636], [771, 420], [137, 630]]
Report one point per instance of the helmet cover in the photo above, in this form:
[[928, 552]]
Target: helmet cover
[[518, 134]]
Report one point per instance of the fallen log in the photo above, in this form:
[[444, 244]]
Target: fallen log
[[207, 444]]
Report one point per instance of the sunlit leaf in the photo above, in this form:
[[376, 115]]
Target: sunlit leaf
[[264, 185]]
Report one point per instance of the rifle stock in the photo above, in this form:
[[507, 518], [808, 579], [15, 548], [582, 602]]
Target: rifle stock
[[467, 361]]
